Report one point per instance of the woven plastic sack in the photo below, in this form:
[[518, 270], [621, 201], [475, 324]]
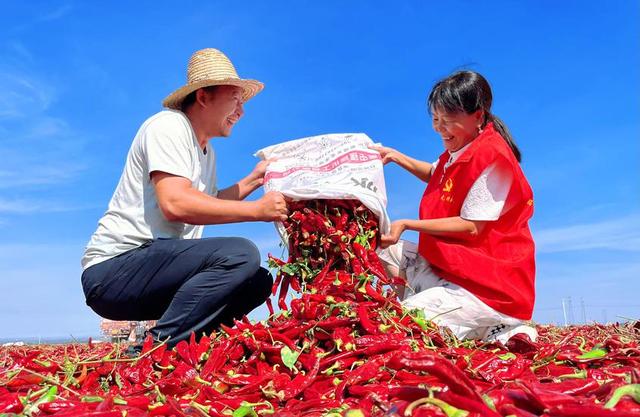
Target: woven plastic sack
[[331, 166]]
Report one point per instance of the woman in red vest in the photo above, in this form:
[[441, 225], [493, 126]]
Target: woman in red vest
[[473, 269]]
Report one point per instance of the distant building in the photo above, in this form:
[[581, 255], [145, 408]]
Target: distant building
[[131, 331]]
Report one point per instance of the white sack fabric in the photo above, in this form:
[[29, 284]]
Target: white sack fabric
[[331, 166]]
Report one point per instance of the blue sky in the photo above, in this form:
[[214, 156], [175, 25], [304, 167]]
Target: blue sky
[[77, 79]]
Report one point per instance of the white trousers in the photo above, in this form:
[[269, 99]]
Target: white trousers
[[446, 303]]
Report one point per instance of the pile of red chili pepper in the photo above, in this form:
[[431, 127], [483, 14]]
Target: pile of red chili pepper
[[341, 347]]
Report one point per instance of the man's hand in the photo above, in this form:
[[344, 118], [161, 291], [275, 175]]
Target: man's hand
[[272, 207], [393, 237], [257, 175], [180, 202], [248, 184]]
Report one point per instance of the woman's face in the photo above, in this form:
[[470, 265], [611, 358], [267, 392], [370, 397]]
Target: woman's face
[[457, 129]]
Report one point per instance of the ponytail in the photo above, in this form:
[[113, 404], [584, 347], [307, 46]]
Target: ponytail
[[502, 129]]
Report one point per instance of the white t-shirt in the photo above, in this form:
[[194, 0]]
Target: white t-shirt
[[486, 197], [165, 142]]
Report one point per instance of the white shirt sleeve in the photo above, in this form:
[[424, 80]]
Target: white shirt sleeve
[[485, 200], [434, 165], [167, 145]]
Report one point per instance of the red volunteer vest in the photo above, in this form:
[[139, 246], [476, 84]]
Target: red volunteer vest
[[498, 266]]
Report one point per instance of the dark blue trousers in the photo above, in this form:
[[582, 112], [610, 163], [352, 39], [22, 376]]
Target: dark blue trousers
[[188, 285]]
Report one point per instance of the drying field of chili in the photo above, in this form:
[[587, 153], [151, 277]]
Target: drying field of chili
[[343, 347]]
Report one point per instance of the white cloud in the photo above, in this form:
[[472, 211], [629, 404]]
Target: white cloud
[[42, 292], [47, 127], [263, 234], [606, 289], [35, 147], [14, 254], [19, 49], [24, 173], [621, 234], [42, 206], [269, 244], [55, 14], [23, 94], [44, 15]]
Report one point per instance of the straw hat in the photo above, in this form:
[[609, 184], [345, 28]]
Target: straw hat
[[208, 67]]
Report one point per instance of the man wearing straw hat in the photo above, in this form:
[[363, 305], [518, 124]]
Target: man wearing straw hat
[[146, 260]]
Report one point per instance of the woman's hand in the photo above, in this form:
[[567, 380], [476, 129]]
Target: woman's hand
[[393, 237], [418, 168], [387, 154], [454, 227]]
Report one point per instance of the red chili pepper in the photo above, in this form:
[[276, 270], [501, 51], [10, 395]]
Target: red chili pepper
[[216, 359], [182, 348], [83, 375], [387, 345], [138, 401], [466, 403], [276, 261], [276, 283], [91, 382], [512, 410], [229, 330], [546, 397], [147, 345], [297, 331], [342, 221], [359, 251], [161, 410], [411, 378], [300, 382], [365, 321], [440, 367], [375, 266], [11, 405], [24, 379], [86, 413], [294, 282], [518, 398], [269, 306], [373, 294], [320, 278], [576, 386], [105, 369], [367, 371], [382, 391], [587, 410], [193, 349], [158, 354], [333, 322], [377, 340], [356, 266], [283, 292]]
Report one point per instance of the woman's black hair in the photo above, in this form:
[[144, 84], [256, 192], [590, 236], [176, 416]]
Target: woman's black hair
[[468, 92]]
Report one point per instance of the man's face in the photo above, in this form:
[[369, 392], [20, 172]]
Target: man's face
[[223, 109]]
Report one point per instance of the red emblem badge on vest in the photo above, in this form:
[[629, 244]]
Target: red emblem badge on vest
[[448, 186]]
